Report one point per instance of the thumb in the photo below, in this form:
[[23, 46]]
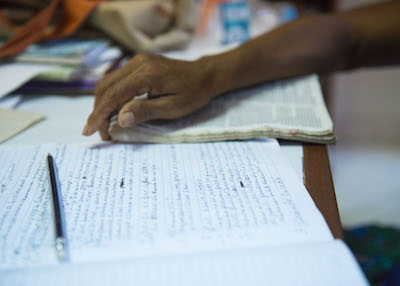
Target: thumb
[[142, 110]]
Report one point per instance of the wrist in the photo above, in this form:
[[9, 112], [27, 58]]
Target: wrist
[[217, 74]]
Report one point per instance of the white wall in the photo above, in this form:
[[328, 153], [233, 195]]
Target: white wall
[[365, 106], [366, 159]]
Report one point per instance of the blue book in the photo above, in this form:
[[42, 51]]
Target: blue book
[[70, 51]]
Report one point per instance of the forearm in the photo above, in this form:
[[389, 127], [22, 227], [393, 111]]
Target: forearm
[[315, 44], [308, 45], [376, 33]]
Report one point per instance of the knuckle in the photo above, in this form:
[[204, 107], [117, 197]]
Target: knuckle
[[98, 88], [146, 67], [112, 93], [181, 103], [144, 111], [98, 117], [103, 82], [147, 114], [105, 107], [170, 110], [141, 58], [92, 119], [144, 85], [149, 68]]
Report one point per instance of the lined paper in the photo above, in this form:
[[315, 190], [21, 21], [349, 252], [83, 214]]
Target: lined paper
[[327, 264], [124, 201]]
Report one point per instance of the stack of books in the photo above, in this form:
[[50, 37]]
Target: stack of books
[[78, 64]]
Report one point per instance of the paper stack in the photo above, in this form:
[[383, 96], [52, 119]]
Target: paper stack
[[74, 65]]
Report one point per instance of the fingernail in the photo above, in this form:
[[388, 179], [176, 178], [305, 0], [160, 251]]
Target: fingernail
[[86, 130], [126, 119]]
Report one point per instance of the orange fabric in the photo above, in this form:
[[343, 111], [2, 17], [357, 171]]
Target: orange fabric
[[74, 13], [31, 32], [208, 9]]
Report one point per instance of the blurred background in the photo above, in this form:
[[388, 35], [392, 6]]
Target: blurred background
[[366, 159]]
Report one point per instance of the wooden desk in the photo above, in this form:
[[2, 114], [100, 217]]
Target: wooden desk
[[319, 183], [316, 166]]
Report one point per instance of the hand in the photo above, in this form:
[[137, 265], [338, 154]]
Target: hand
[[174, 89]]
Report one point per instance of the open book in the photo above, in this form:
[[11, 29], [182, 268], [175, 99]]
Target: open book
[[229, 213], [291, 109]]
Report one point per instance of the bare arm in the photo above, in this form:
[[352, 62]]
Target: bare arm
[[324, 43]]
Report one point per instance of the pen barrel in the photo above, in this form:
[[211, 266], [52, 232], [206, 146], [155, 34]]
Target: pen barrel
[[56, 197], [60, 233]]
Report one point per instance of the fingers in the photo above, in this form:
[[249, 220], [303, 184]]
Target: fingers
[[112, 78], [98, 117], [115, 89], [144, 74], [138, 111], [103, 130], [113, 98]]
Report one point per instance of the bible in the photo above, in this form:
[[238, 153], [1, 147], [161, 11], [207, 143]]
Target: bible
[[291, 109]]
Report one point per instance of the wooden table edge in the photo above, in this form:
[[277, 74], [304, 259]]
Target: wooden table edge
[[319, 183]]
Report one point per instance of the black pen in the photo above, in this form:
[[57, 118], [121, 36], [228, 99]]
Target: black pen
[[61, 239]]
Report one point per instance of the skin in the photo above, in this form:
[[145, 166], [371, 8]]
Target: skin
[[369, 36]]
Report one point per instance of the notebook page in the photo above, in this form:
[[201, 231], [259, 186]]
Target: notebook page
[[319, 264], [141, 200]]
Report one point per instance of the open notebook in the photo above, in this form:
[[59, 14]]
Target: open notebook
[[228, 213], [291, 109]]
